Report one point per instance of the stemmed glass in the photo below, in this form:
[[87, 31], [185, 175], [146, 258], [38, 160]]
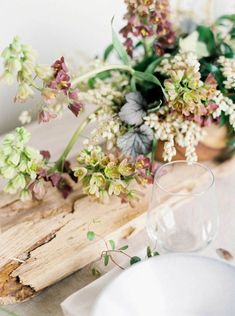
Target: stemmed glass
[[183, 213]]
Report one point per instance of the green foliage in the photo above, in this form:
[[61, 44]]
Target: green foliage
[[151, 253], [206, 35], [152, 66], [125, 247], [103, 75], [147, 77], [143, 64], [134, 260], [106, 259], [109, 49], [229, 17], [112, 244], [119, 47], [90, 235], [96, 272]]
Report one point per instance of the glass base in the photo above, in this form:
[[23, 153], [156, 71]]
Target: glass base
[[180, 242]]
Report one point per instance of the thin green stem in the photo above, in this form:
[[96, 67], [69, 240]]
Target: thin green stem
[[154, 147], [146, 47], [60, 162], [95, 72]]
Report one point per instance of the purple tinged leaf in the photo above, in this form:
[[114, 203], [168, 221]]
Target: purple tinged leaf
[[133, 111], [137, 142]]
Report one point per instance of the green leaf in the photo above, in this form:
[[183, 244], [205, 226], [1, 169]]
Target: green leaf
[[227, 51], [134, 260], [149, 252], [90, 235], [143, 64], [230, 17], [151, 67], [106, 259], [206, 36], [112, 244], [148, 77], [107, 52], [95, 272], [103, 75], [119, 47], [123, 248]]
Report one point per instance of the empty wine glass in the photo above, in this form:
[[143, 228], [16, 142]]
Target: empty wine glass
[[183, 213]]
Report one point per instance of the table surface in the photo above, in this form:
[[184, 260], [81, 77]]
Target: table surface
[[54, 136]]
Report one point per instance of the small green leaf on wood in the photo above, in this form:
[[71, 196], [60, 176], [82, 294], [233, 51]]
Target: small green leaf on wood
[[125, 247], [134, 260], [96, 272], [106, 259], [112, 244], [90, 235]]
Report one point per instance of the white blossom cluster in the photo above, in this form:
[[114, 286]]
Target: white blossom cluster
[[228, 71], [225, 105], [172, 128], [108, 92], [107, 131], [185, 61]]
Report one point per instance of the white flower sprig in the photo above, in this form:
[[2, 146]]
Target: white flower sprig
[[228, 71]]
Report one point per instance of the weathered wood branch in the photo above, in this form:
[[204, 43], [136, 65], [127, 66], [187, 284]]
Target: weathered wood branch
[[43, 242]]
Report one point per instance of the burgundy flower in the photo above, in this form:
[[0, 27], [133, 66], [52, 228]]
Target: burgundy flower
[[61, 83], [75, 108], [145, 169], [143, 30], [129, 46], [46, 154], [149, 18], [45, 116], [55, 179], [73, 95], [64, 187], [126, 30], [60, 65]]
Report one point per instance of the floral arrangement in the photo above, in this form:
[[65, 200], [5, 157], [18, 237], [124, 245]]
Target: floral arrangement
[[168, 85]]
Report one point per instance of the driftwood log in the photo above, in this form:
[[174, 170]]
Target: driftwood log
[[43, 242]]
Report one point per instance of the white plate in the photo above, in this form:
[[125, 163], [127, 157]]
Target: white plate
[[171, 285]]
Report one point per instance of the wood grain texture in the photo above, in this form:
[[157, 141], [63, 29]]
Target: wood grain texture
[[48, 242], [42, 243]]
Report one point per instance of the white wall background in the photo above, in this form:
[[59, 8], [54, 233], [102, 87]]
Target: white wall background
[[63, 27]]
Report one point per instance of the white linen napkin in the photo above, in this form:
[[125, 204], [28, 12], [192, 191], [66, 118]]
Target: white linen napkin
[[82, 302]]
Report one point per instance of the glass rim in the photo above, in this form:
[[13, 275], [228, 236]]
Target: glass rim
[[206, 168]]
